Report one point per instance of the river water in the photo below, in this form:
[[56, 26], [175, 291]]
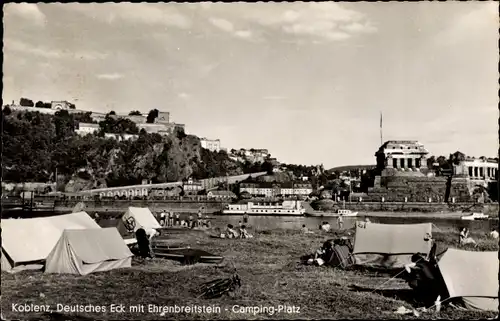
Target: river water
[[267, 222], [296, 222]]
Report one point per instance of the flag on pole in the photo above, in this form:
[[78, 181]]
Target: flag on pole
[[380, 120]]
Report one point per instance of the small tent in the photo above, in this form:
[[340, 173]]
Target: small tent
[[29, 241], [390, 246], [472, 277], [90, 250], [136, 218]]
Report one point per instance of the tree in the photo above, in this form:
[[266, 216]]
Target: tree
[[6, 111], [47, 105], [267, 167], [153, 114], [39, 104], [65, 124], [118, 125], [430, 162], [83, 117], [72, 106], [112, 112], [457, 157], [135, 113], [26, 102]]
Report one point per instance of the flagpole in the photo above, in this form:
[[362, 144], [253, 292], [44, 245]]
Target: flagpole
[[381, 141]]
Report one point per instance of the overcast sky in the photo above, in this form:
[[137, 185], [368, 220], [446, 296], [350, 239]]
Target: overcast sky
[[305, 80]]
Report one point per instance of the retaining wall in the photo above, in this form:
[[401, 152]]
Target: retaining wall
[[119, 205]]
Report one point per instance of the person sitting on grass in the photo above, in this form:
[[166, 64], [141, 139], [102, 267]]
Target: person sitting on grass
[[464, 237], [208, 224], [244, 233], [230, 233], [494, 234], [325, 227], [305, 230], [322, 254]]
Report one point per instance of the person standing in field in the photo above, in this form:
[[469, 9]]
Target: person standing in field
[[171, 219], [340, 222], [163, 219], [177, 219], [245, 218], [200, 217], [190, 221]]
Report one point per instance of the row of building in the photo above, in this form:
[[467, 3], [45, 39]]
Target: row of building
[[276, 189]]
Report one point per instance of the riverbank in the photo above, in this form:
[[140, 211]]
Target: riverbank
[[271, 275], [491, 209]]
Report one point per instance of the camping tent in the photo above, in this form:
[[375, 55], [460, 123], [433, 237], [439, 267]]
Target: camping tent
[[136, 218], [390, 246], [471, 276], [28, 241], [90, 250]]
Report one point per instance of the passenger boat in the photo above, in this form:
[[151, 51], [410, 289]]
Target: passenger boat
[[284, 208], [475, 216], [340, 212]]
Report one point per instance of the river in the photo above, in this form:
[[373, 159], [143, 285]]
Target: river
[[109, 219], [296, 222]]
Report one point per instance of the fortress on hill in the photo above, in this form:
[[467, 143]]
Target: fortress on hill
[[403, 175]]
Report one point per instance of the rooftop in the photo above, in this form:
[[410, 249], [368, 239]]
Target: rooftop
[[402, 145], [88, 125], [299, 184]]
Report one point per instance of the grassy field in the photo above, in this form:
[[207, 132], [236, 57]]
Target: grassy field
[[271, 275]]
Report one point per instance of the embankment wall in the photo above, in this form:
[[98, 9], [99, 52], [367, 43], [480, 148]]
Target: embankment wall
[[122, 205]]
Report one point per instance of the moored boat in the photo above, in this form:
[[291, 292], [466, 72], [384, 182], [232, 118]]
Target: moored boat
[[475, 216], [274, 207], [340, 212]]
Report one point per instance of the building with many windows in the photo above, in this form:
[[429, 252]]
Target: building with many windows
[[121, 137], [479, 170], [276, 189], [83, 129], [395, 157], [191, 186], [210, 144]]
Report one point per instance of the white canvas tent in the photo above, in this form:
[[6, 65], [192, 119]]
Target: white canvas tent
[[90, 250], [390, 245], [29, 241], [136, 218], [471, 276]]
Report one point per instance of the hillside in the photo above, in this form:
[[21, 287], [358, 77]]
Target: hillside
[[37, 145]]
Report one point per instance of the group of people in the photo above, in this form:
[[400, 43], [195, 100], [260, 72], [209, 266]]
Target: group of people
[[231, 233], [464, 238], [171, 220]]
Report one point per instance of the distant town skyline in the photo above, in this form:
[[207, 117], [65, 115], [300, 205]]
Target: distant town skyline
[[307, 81]]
